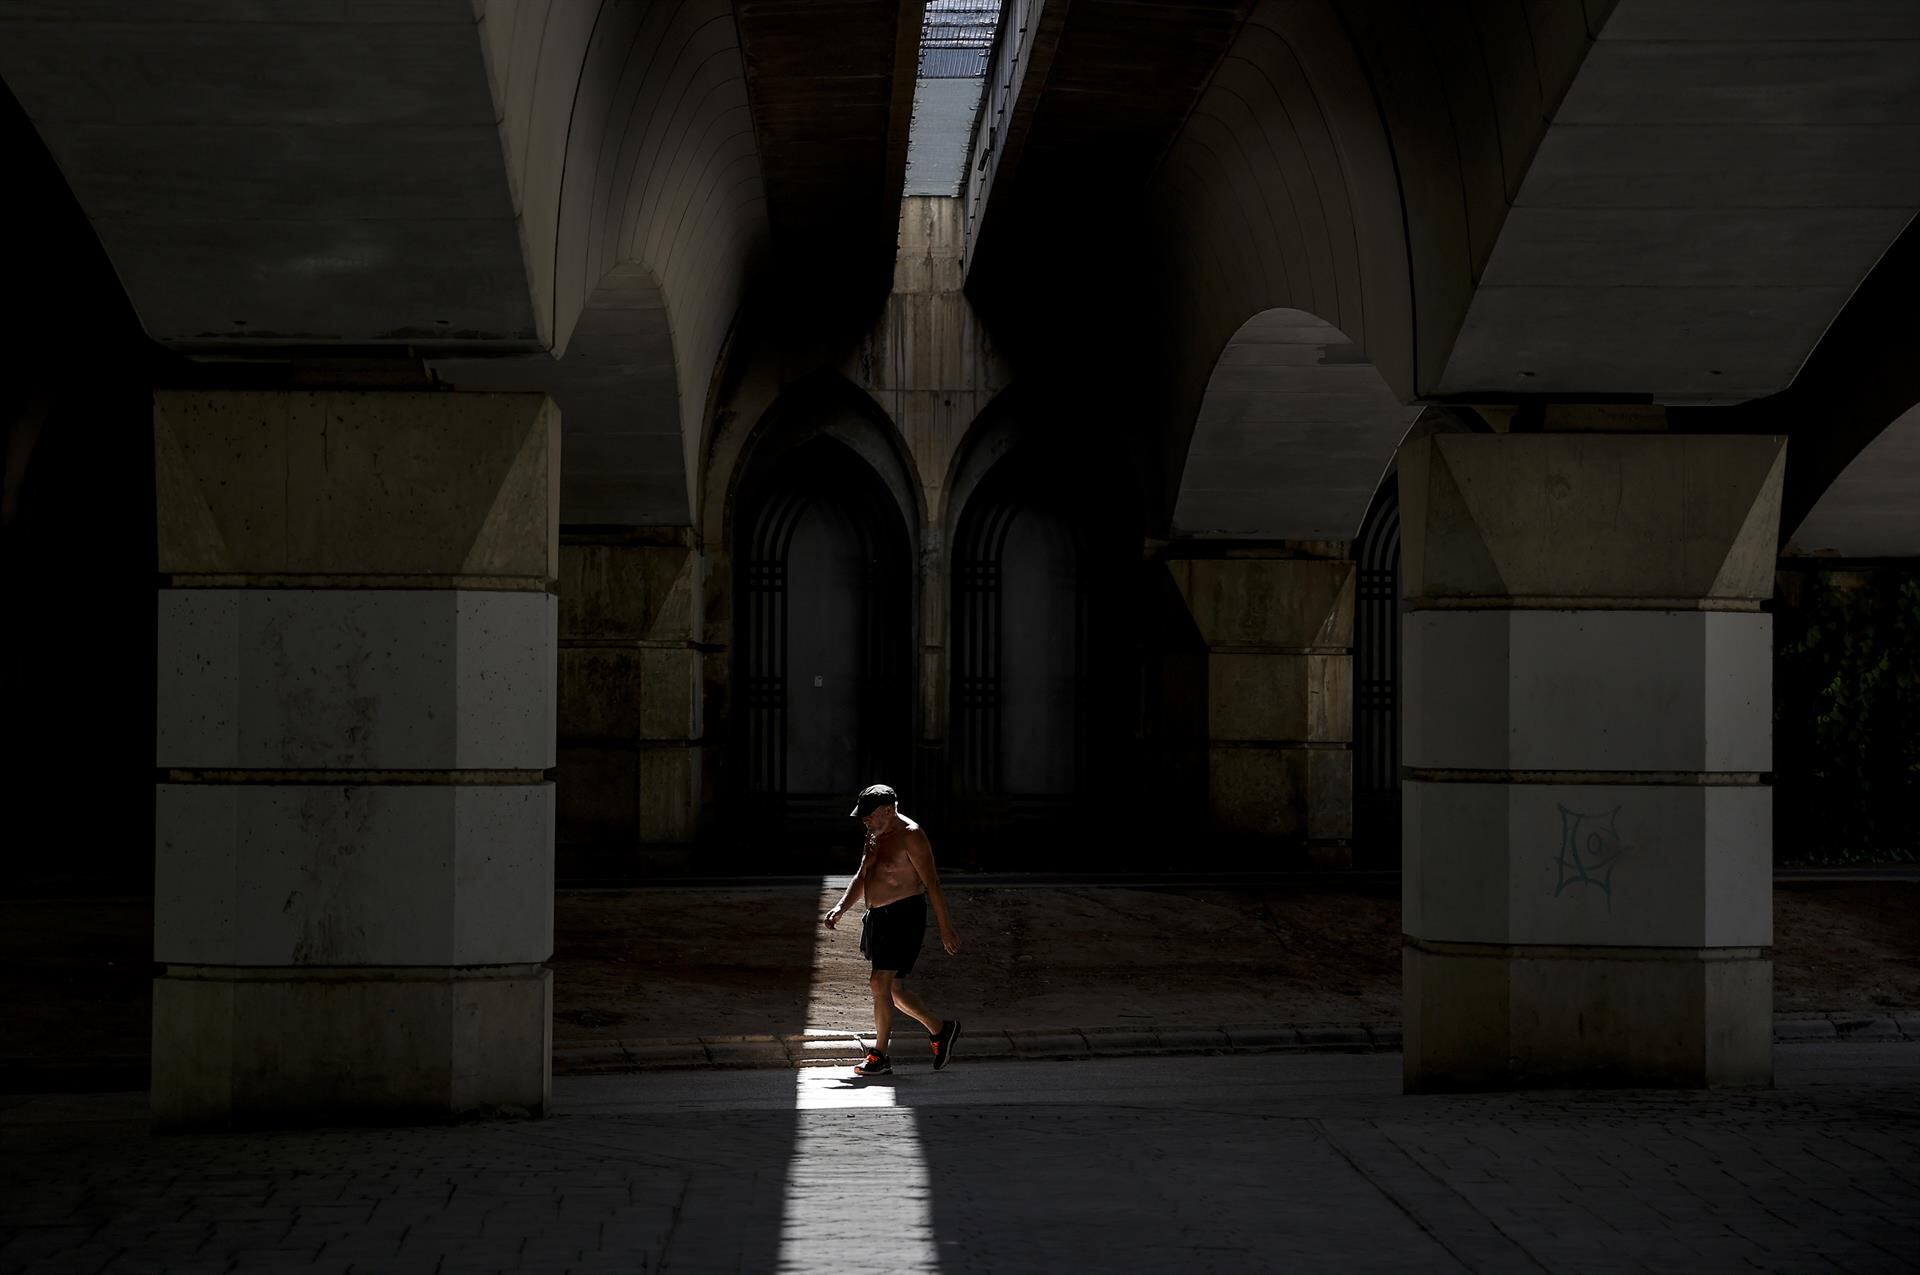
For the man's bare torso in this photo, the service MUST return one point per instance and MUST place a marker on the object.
(891, 875)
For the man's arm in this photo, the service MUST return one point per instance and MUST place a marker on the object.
(920, 854)
(856, 890)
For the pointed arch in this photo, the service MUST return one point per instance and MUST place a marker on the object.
(823, 634)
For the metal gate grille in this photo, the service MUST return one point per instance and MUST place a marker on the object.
(1376, 683)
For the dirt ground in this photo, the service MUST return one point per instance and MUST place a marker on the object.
(1846, 946)
(674, 963)
(667, 962)
(758, 961)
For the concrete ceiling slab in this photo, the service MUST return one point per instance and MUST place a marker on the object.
(1117, 79)
(279, 172)
(831, 83)
(1717, 182)
(1352, 162)
(630, 149)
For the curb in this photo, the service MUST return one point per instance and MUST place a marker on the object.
(1863, 1026)
(832, 1048)
(825, 1048)
(835, 1048)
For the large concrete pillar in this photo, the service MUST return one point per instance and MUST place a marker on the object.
(1588, 827)
(1279, 635)
(354, 862)
(632, 752)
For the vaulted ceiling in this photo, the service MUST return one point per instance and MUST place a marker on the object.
(1644, 199)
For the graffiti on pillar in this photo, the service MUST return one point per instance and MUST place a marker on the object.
(1589, 848)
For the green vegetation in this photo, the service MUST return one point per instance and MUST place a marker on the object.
(1847, 717)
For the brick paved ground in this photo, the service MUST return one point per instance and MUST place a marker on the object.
(1230, 1164)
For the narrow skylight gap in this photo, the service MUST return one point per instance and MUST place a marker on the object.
(956, 43)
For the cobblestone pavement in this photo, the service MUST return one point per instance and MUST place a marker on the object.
(1274, 1163)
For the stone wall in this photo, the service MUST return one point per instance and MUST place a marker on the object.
(632, 755)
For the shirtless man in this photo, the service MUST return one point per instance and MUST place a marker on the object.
(895, 867)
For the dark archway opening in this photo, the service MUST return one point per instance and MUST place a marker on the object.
(1376, 682)
(1046, 689)
(824, 616)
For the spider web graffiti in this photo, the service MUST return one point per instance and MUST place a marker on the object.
(1589, 848)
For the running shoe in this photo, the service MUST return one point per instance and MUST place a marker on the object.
(875, 1065)
(942, 1043)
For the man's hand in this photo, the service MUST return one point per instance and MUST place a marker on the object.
(950, 939)
(832, 916)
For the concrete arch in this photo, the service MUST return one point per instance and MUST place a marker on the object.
(827, 406)
(1872, 510)
(999, 428)
(618, 387)
(464, 179)
(630, 149)
(1356, 167)
(1292, 437)
(1605, 197)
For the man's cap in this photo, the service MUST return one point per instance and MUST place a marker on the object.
(872, 798)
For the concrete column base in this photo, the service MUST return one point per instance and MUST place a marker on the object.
(1489, 1017)
(283, 1046)
(1266, 795)
(1279, 635)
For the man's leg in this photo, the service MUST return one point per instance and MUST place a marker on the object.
(912, 1004)
(882, 984)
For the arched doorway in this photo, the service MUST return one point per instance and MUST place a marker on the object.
(1045, 692)
(825, 623)
(1376, 682)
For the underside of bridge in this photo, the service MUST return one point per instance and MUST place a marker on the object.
(569, 439)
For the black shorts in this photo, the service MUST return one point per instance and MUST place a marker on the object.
(891, 936)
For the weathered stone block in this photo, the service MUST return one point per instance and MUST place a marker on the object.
(418, 679)
(1329, 794)
(1259, 794)
(1281, 795)
(1528, 1017)
(335, 482)
(1279, 696)
(669, 693)
(670, 780)
(256, 1047)
(600, 693)
(1268, 601)
(629, 591)
(1589, 690)
(1590, 515)
(353, 874)
(597, 795)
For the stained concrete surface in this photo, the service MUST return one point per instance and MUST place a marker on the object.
(1230, 1164)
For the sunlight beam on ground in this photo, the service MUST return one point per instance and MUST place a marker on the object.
(858, 1197)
